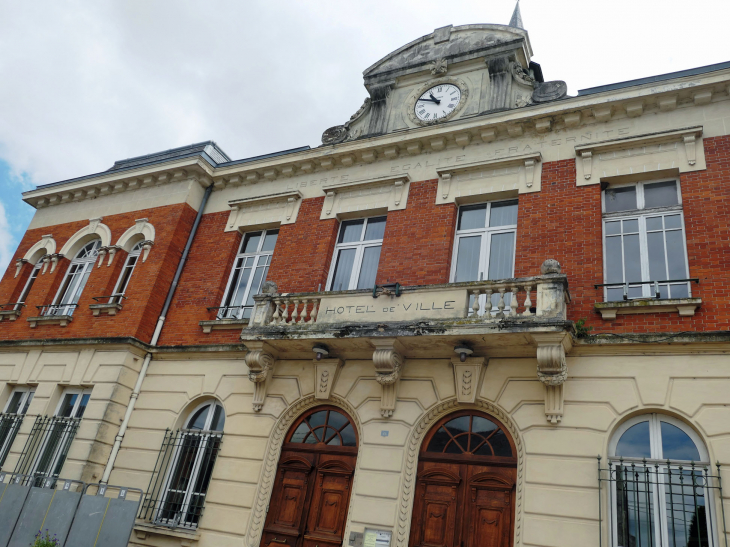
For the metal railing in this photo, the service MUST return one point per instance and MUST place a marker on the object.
(9, 426)
(47, 446)
(662, 503)
(56, 309)
(229, 312)
(176, 494)
(113, 298)
(657, 292)
(11, 306)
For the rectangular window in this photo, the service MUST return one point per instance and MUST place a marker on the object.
(50, 439)
(12, 418)
(357, 254)
(645, 253)
(249, 273)
(29, 284)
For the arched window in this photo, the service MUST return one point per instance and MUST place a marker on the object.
(470, 434)
(184, 468)
(328, 427)
(661, 484)
(29, 284)
(126, 275)
(75, 280)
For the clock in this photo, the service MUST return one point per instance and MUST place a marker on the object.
(437, 102)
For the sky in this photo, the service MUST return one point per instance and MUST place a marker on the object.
(84, 83)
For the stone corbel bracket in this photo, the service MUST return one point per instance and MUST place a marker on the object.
(55, 257)
(146, 248)
(260, 360)
(515, 174)
(388, 360)
(467, 378)
(680, 150)
(552, 370)
(325, 377)
(382, 193)
(248, 213)
(19, 265)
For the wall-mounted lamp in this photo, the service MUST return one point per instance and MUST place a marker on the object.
(463, 351)
(320, 350)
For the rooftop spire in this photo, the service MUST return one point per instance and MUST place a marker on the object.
(516, 20)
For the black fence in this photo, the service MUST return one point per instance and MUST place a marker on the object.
(177, 490)
(655, 503)
(57, 309)
(9, 426)
(46, 448)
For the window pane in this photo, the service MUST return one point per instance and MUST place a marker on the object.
(14, 404)
(240, 287)
(613, 228)
(300, 433)
(634, 443)
(438, 441)
(351, 231)
(369, 268)
(676, 444)
(336, 420)
(348, 436)
(654, 223)
(635, 507)
(69, 400)
(677, 265)
(673, 221)
(620, 199)
(258, 278)
(197, 420)
(343, 270)
(251, 242)
(679, 291)
(660, 194)
(500, 256)
(632, 255)
(467, 259)
(27, 402)
(631, 226)
(684, 496)
(219, 419)
(614, 261)
(657, 265)
(472, 216)
(375, 228)
(82, 406)
(500, 444)
(270, 240)
(503, 214)
(458, 425)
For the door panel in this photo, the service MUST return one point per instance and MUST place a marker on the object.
(288, 499)
(328, 509)
(436, 506)
(488, 507)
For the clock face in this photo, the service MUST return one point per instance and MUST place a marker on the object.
(437, 102)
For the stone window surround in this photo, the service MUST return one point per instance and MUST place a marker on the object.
(391, 194)
(259, 212)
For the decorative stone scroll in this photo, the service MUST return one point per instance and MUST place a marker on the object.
(325, 376)
(382, 193)
(552, 370)
(388, 360)
(281, 208)
(516, 174)
(46, 246)
(467, 376)
(679, 150)
(260, 359)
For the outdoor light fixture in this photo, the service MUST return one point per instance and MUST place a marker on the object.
(463, 351)
(320, 350)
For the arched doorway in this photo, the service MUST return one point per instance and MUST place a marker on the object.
(311, 493)
(465, 488)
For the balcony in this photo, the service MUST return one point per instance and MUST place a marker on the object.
(11, 311)
(53, 314)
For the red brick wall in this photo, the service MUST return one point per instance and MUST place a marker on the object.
(564, 222)
(146, 291)
(202, 284)
(418, 240)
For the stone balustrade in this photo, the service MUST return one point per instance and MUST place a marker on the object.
(523, 299)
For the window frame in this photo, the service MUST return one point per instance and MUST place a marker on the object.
(16, 418)
(241, 256)
(35, 272)
(658, 491)
(65, 287)
(135, 253)
(641, 213)
(486, 234)
(359, 247)
(60, 440)
(194, 474)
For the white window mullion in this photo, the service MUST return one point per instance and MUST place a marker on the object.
(646, 289)
(357, 265)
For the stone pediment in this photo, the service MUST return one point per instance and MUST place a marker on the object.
(454, 44)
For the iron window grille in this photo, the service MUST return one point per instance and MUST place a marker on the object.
(47, 446)
(656, 503)
(179, 484)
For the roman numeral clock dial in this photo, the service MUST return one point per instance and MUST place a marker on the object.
(437, 102)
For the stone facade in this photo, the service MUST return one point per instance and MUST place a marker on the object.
(558, 368)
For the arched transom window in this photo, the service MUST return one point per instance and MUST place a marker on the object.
(661, 485)
(328, 427)
(469, 434)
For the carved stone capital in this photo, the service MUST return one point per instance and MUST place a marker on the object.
(325, 376)
(388, 361)
(260, 360)
(552, 370)
(467, 376)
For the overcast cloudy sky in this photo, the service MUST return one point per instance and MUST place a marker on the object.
(85, 83)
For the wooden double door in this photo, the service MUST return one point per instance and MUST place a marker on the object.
(311, 493)
(465, 486)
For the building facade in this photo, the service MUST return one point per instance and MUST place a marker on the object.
(481, 313)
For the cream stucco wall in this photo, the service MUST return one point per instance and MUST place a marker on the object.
(557, 499)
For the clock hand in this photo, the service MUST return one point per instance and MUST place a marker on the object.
(435, 99)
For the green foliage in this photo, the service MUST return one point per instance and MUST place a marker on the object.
(46, 540)
(581, 330)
